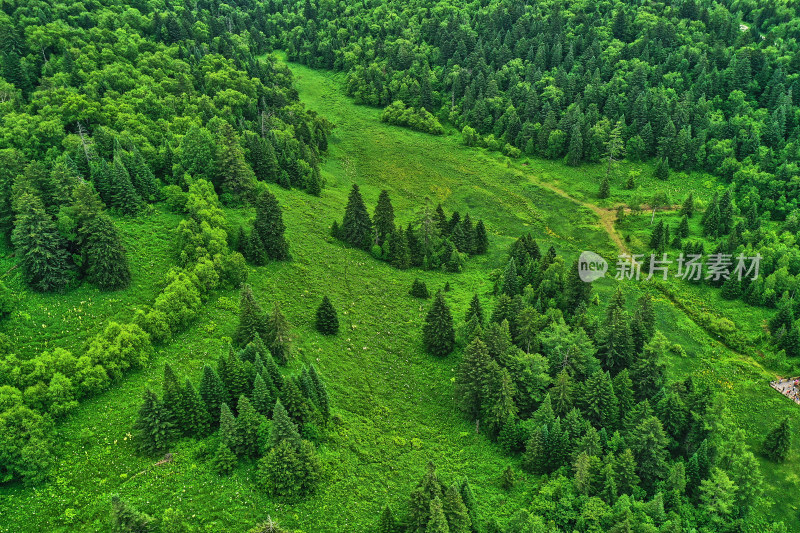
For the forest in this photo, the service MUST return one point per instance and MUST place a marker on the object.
(313, 266)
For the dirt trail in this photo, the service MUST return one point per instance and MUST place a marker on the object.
(606, 216)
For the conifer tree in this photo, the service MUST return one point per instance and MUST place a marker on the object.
(615, 345)
(649, 446)
(419, 289)
(268, 227)
(438, 333)
(508, 479)
(228, 435)
(383, 218)
(623, 390)
(171, 396)
(261, 156)
(213, 393)
(283, 429)
(387, 522)
(625, 472)
(562, 393)
(272, 370)
(778, 442)
(475, 310)
(154, 425)
(731, 288)
(687, 208)
(499, 408)
(456, 513)
(233, 374)
(42, 250)
(481, 239)
(662, 169)
(440, 220)
(605, 189)
(123, 194)
(296, 405)
(224, 460)
(601, 405)
(683, 227)
(536, 458)
(425, 492)
(247, 422)
(277, 338)
(327, 319)
(468, 230)
(126, 519)
(323, 403)
(398, 253)
(251, 318)
(356, 228)
(233, 175)
(263, 399)
(196, 421)
(105, 259)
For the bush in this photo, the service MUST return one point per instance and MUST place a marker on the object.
(417, 119)
(120, 347)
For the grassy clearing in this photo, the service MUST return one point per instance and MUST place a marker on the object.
(394, 403)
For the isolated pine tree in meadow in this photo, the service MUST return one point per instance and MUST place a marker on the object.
(383, 218)
(105, 257)
(778, 442)
(356, 228)
(419, 289)
(252, 321)
(154, 425)
(327, 319)
(269, 227)
(438, 333)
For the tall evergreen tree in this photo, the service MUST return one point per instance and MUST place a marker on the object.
(42, 251)
(278, 340)
(196, 421)
(481, 238)
(213, 393)
(228, 436)
(268, 228)
(687, 208)
(601, 405)
(232, 173)
(778, 442)
(387, 522)
(456, 513)
(126, 519)
(327, 319)
(247, 423)
(123, 194)
(383, 218)
(252, 322)
(105, 260)
(356, 228)
(283, 429)
(649, 446)
(263, 397)
(438, 333)
(154, 425)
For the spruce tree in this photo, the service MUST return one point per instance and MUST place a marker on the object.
(625, 472)
(263, 399)
(154, 425)
(731, 288)
(683, 227)
(438, 333)
(283, 429)
(605, 189)
(196, 421)
(662, 169)
(440, 220)
(171, 397)
(105, 260)
(233, 374)
(456, 513)
(536, 458)
(251, 318)
(649, 446)
(475, 310)
(562, 393)
(224, 460)
(277, 338)
(419, 289)
(428, 489)
(269, 227)
(261, 156)
(213, 393)
(778, 442)
(323, 403)
(387, 522)
(383, 218)
(356, 228)
(601, 405)
(296, 405)
(687, 208)
(511, 279)
(228, 435)
(233, 175)
(481, 239)
(42, 250)
(469, 235)
(327, 319)
(123, 194)
(247, 422)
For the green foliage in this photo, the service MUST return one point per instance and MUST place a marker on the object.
(438, 333)
(225, 461)
(778, 442)
(417, 119)
(155, 426)
(327, 320)
(126, 519)
(419, 289)
(356, 228)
